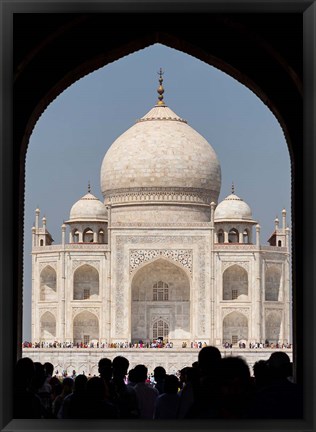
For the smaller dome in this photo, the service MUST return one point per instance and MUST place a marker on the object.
(233, 208)
(89, 208)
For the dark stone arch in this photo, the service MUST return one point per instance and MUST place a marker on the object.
(34, 62)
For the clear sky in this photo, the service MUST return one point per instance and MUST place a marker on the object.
(72, 136)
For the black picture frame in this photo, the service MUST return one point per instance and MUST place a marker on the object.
(10, 243)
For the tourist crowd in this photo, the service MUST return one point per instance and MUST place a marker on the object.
(213, 387)
(156, 343)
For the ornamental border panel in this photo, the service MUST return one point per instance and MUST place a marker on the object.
(77, 263)
(138, 257)
(52, 310)
(243, 264)
(157, 317)
(77, 310)
(228, 310)
(44, 264)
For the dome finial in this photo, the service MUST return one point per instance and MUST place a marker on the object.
(233, 188)
(89, 187)
(160, 89)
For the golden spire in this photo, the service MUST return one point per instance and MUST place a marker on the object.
(160, 89)
(233, 188)
(89, 187)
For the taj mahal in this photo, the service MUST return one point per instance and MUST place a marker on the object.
(159, 256)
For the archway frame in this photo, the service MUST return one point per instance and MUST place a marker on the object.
(13, 156)
(186, 273)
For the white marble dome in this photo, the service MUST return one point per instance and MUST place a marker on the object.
(233, 208)
(89, 208)
(161, 152)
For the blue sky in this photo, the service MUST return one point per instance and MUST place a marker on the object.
(72, 136)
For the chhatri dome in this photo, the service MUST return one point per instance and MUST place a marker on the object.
(233, 208)
(161, 163)
(89, 208)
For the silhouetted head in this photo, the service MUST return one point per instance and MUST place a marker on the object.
(159, 373)
(68, 384)
(209, 359)
(80, 385)
(105, 368)
(48, 368)
(279, 365)
(140, 372)
(120, 366)
(171, 384)
(131, 376)
(24, 372)
(260, 371)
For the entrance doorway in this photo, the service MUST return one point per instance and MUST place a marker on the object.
(161, 330)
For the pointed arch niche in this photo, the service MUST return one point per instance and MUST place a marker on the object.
(160, 294)
(273, 283)
(235, 283)
(48, 284)
(48, 327)
(235, 327)
(86, 283)
(85, 328)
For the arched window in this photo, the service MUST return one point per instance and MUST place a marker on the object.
(235, 283)
(220, 236)
(160, 291)
(273, 283)
(85, 328)
(279, 243)
(75, 236)
(235, 328)
(160, 329)
(233, 236)
(88, 235)
(86, 283)
(48, 284)
(48, 326)
(41, 242)
(246, 236)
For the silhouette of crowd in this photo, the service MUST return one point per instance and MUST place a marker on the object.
(213, 387)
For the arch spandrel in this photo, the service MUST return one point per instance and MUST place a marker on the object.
(180, 257)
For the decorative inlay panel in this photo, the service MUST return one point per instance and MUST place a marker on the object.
(52, 310)
(77, 310)
(185, 195)
(44, 264)
(156, 317)
(140, 256)
(78, 263)
(243, 264)
(228, 310)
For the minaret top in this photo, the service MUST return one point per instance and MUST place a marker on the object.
(160, 89)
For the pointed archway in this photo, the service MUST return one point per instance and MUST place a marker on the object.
(160, 304)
